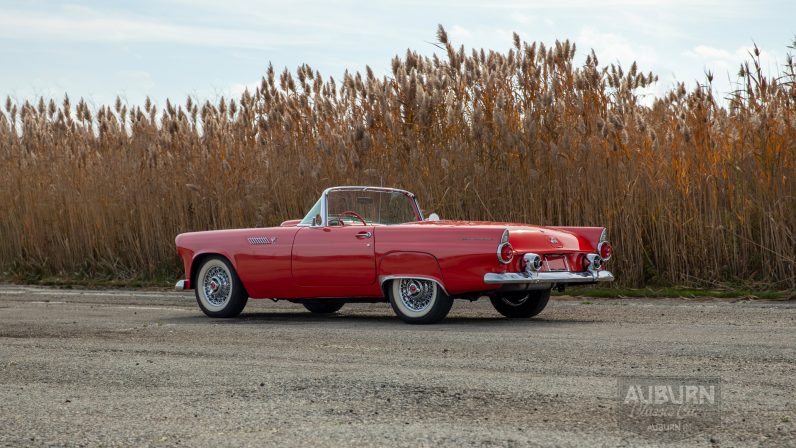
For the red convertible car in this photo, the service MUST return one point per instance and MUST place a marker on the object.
(373, 244)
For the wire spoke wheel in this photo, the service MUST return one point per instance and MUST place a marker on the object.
(217, 285)
(419, 301)
(416, 295)
(219, 291)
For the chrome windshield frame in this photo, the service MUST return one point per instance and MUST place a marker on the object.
(325, 199)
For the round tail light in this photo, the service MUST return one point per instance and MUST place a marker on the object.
(505, 253)
(605, 250)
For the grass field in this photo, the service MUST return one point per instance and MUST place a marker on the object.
(696, 190)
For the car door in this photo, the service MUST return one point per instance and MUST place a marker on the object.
(334, 256)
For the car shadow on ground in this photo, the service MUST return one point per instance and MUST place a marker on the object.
(301, 318)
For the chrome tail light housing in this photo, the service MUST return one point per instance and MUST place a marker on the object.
(505, 253)
(604, 248)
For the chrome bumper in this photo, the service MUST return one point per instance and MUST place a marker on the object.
(547, 277)
(181, 285)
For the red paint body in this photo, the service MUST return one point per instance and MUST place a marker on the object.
(334, 262)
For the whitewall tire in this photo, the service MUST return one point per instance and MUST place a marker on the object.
(419, 301)
(219, 291)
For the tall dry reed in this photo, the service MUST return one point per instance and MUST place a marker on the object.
(694, 190)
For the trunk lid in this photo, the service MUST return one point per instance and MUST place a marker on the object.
(529, 238)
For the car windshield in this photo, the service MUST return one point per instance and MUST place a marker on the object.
(374, 207)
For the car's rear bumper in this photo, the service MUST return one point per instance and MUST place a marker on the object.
(494, 278)
(182, 284)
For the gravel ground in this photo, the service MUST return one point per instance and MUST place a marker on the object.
(147, 368)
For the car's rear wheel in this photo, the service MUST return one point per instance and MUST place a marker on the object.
(520, 304)
(322, 306)
(219, 291)
(419, 301)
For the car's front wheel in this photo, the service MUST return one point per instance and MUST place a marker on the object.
(219, 291)
(419, 301)
(520, 304)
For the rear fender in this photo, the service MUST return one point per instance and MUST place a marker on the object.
(409, 265)
(590, 234)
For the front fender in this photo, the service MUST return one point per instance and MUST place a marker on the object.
(190, 258)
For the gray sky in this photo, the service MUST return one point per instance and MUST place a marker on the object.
(175, 48)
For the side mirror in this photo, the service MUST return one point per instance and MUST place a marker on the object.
(433, 217)
(317, 221)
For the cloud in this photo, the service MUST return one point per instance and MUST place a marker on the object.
(612, 48)
(459, 32)
(706, 52)
(85, 25)
(635, 4)
(721, 60)
(520, 18)
(135, 79)
(237, 89)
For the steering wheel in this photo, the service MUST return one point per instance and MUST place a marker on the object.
(354, 214)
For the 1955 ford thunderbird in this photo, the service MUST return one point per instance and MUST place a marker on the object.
(373, 244)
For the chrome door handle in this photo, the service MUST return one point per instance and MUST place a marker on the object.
(361, 235)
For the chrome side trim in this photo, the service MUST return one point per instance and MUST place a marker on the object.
(384, 278)
(257, 240)
(180, 285)
(493, 278)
